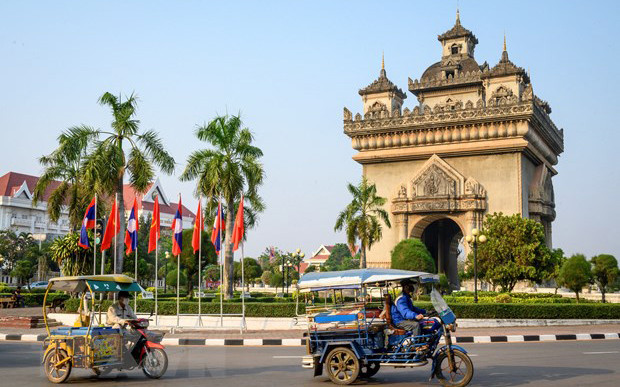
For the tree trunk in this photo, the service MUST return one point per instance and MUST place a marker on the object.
(120, 238)
(363, 258)
(603, 293)
(228, 252)
(577, 294)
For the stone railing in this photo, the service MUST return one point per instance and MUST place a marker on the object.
(458, 79)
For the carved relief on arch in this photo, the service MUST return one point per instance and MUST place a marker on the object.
(502, 96)
(437, 178)
(472, 187)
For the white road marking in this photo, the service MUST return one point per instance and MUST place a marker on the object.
(287, 357)
(600, 353)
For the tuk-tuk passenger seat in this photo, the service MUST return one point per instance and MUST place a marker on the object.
(387, 311)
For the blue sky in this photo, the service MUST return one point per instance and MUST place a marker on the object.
(289, 68)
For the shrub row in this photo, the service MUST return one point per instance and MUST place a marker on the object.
(466, 293)
(513, 300)
(462, 310)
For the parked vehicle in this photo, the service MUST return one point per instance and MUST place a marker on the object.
(38, 285)
(354, 339)
(92, 345)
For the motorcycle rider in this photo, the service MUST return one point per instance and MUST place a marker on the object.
(120, 311)
(404, 314)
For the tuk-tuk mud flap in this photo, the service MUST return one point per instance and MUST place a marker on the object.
(439, 351)
(354, 346)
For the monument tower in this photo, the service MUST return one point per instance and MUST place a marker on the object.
(478, 141)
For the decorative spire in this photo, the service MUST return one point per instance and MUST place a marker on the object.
(382, 60)
(504, 41)
(504, 58)
(458, 15)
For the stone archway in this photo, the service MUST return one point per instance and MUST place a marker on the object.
(442, 235)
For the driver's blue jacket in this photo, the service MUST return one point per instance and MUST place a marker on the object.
(404, 310)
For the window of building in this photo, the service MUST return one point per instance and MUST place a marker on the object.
(454, 49)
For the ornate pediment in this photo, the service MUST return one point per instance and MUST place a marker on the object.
(438, 187)
(437, 178)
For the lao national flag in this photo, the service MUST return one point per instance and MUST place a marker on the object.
(88, 222)
(131, 236)
(218, 226)
(177, 231)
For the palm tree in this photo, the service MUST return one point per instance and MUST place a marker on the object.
(122, 150)
(228, 170)
(361, 217)
(64, 164)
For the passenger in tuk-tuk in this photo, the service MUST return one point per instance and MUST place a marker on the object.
(404, 314)
(120, 311)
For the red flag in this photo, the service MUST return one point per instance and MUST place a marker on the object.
(198, 227)
(154, 232)
(112, 228)
(238, 229)
(218, 227)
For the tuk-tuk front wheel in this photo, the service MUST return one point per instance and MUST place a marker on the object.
(462, 373)
(343, 367)
(155, 363)
(57, 365)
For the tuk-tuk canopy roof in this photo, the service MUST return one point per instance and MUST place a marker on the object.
(98, 283)
(348, 279)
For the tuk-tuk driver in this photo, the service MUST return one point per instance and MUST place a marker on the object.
(404, 314)
(120, 311)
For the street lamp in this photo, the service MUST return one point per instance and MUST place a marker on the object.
(166, 270)
(474, 239)
(297, 257)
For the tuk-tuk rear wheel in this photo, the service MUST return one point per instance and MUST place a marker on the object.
(370, 369)
(57, 374)
(343, 366)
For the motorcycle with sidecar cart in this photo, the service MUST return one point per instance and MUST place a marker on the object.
(92, 345)
(353, 338)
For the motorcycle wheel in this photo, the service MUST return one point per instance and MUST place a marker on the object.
(155, 363)
(343, 367)
(463, 373)
(57, 374)
(370, 369)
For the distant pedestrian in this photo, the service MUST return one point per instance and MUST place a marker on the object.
(18, 299)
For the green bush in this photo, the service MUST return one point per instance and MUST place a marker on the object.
(412, 254)
(503, 298)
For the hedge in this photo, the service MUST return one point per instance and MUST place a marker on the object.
(36, 299)
(462, 310)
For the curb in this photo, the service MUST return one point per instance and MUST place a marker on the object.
(302, 342)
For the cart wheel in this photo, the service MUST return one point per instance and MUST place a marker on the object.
(155, 363)
(370, 369)
(57, 374)
(343, 367)
(462, 374)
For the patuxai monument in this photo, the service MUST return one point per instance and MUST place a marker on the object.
(477, 141)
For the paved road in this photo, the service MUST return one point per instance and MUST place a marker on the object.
(521, 364)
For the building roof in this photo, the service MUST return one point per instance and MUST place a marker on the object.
(164, 207)
(467, 64)
(457, 31)
(11, 182)
(319, 258)
(505, 67)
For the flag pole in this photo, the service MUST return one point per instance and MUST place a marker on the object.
(178, 265)
(115, 234)
(243, 325)
(199, 216)
(156, 279)
(219, 220)
(95, 240)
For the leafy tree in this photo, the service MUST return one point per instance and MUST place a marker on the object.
(211, 273)
(575, 274)
(412, 254)
(15, 248)
(23, 271)
(336, 257)
(189, 259)
(252, 270)
(515, 251)
(361, 219)
(559, 258)
(171, 279)
(228, 170)
(277, 280)
(123, 151)
(604, 272)
(266, 277)
(310, 269)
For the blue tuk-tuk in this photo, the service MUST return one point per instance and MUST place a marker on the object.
(353, 335)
